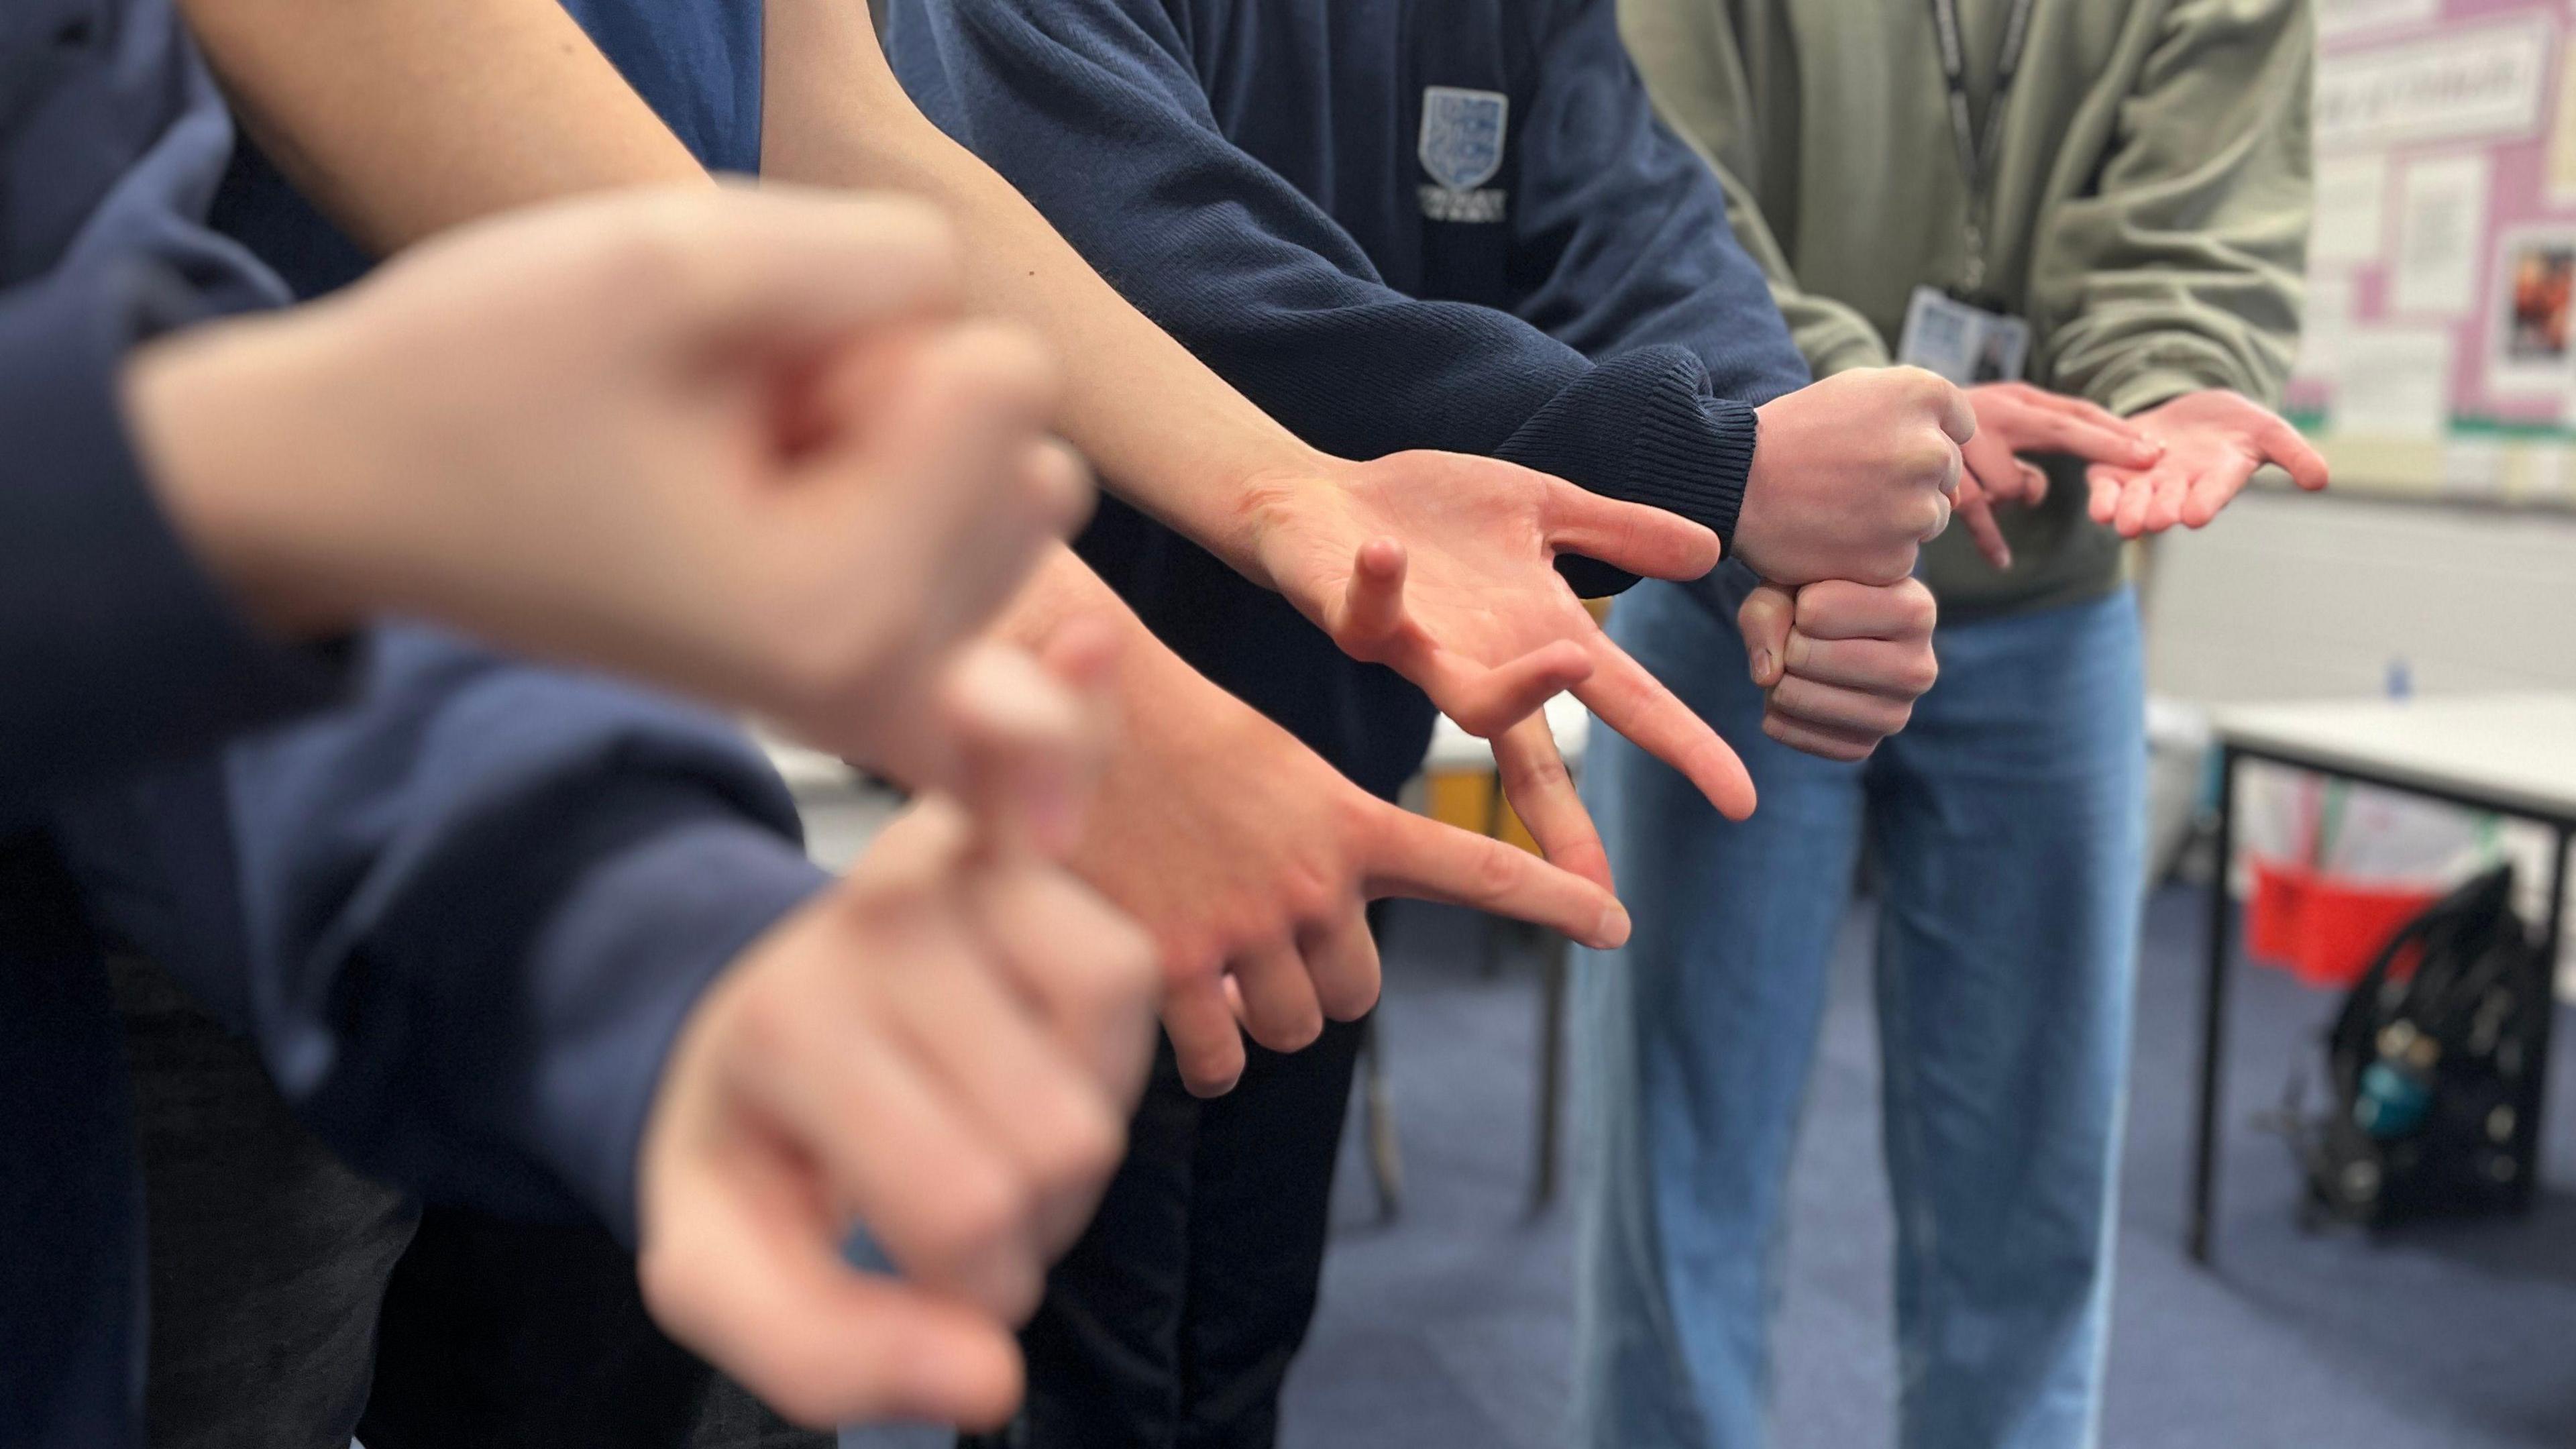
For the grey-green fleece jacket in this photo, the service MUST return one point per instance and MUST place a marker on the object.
(2148, 213)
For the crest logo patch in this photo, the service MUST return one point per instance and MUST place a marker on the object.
(1462, 135)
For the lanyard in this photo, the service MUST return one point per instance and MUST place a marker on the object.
(1977, 153)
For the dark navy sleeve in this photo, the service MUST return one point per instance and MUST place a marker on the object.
(1619, 232)
(478, 904)
(1091, 109)
(116, 646)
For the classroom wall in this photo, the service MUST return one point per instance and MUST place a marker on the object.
(2290, 597)
(2293, 597)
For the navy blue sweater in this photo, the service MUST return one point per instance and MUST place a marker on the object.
(116, 649)
(1539, 271)
(472, 906)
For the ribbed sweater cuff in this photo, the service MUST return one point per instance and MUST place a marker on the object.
(1693, 460)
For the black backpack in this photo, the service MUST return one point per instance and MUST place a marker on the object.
(2431, 1075)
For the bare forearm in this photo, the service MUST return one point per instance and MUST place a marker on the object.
(1166, 433)
(403, 119)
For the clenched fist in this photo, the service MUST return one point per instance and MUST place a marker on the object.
(739, 443)
(1851, 475)
(1841, 663)
(943, 1049)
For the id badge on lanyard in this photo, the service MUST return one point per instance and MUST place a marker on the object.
(1963, 342)
(1954, 333)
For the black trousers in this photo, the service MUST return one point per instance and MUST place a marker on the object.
(1172, 1322)
(294, 1300)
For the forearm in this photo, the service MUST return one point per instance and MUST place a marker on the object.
(400, 120)
(126, 632)
(476, 903)
(1166, 433)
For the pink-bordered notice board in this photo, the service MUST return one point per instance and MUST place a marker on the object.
(2440, 344)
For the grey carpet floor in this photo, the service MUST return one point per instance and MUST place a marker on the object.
(1451, 1325)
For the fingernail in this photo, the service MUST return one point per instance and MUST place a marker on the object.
(1613, 931)
(1762, 663)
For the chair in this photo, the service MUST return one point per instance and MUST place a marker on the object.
(1458, 786)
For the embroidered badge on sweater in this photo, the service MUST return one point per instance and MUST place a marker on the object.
(1462, 148)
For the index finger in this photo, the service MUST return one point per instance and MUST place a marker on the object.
(1977, 514)
(1628, 699)
(739, 1266)
(1420, 858)
(2093, 435)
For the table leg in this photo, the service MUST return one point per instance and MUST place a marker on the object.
(2535, 1092)
(2213, 1015)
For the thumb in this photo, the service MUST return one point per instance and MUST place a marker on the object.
(738, 1266)
(1646, 541)
(1026, 745)
(2282, 444)
(1764, 622)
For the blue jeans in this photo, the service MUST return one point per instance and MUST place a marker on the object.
(2007, 825)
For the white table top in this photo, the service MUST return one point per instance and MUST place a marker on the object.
(2517, 751)
(1453, 749)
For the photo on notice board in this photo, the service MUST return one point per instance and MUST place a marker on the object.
(2529, 331)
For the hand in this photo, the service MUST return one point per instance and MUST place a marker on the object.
(1841, 664)
(1442, 567)
(722, 439)
(2214, 440)
(2014, 418)
(1250, 859)
(944, 1048)
(1851, 475)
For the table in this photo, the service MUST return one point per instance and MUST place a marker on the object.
(2514, 755)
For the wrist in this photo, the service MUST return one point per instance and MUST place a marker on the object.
(206, 410)
(1269, 508)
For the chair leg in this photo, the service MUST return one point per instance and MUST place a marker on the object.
(1551, 1073)
(1377, 1110)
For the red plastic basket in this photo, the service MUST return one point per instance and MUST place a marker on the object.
(2324, 929)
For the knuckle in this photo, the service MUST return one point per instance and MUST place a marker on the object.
(1496, 873)
(1085, 1147)
(1925, 389)
(1300, 1031)
(675, 1282)
(1917, 610)
(1302, 893)
(1349, 999)
(1927, 461)
(986, 1209)
(771, 1026)
(1129, 966)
